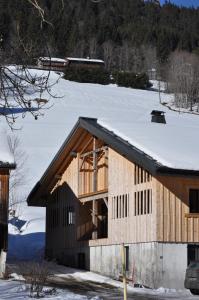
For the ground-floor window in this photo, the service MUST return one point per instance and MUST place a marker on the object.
(194, 200)
(192, 253)
(126, 257)
(81, 260)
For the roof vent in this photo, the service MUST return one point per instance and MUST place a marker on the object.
(158, 116)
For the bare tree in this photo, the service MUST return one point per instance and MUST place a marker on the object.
(19, 176)
(183, 79)
(19, 86)
(108, 49)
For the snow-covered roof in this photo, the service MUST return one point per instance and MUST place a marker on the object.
(6, 157)
(125, 111)
(85, 60)
(53, 59)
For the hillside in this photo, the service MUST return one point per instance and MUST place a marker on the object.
(130, 35)
(126, 112)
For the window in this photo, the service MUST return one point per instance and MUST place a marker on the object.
(120, 206)
(141, 175)
(143, 202)
(194, 201)
(192, 253)
(68, 216)
(126, 258)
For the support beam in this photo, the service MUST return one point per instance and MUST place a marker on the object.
(106, 202)
(87, 144)
(103, 148)
(94, 165)
(95, 219)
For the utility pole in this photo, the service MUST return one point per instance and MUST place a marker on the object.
(124, 271)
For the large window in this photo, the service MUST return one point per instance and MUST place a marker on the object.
(194, 200)
(141, 175)
(143, 202)
(120, 206)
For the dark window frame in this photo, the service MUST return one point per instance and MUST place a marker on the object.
(194, 201)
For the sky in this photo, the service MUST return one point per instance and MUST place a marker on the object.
(184, 2)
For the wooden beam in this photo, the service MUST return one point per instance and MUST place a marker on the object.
(103, 148)
(94, 165)
(82, 162)
(93, 196)
(106, 202)
(87, 144)
(95, 220)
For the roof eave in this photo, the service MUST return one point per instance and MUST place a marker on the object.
(5, 165)
(118, 144)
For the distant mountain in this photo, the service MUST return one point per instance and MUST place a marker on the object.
(187, 3)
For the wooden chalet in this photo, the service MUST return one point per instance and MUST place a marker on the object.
(6, 165)
(85, 62)
(100, 191)
(60, 64)
(52, 63)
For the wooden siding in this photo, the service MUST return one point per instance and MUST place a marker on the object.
(174, 222)
(4, 198)
(63, 195)
(4, 195)
(88, 171)
(139, 228)
(141, 208)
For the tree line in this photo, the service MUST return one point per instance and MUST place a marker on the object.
(129, 35)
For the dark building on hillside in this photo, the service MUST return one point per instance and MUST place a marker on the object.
(60, 64)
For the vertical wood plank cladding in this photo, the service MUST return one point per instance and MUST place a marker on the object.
(134, 228)
(173, 194)
(4, 196)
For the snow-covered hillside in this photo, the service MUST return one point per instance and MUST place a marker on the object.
(125, 111)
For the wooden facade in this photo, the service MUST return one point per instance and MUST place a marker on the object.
(97, 196)
(4, 196)
(4, 204)
(57, 64)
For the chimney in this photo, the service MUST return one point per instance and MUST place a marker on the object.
(157, 116)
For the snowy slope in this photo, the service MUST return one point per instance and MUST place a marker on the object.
(125, 111)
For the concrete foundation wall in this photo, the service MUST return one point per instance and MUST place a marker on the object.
(151, 264)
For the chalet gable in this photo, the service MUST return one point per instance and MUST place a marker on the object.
(90, 126)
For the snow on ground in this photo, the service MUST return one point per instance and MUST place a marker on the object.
(126, 111)
(100, 288)
(19, 291)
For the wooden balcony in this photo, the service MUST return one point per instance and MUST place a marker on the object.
(93, 169)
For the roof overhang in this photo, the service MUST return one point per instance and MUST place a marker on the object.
(9, 166)
(37, 196)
